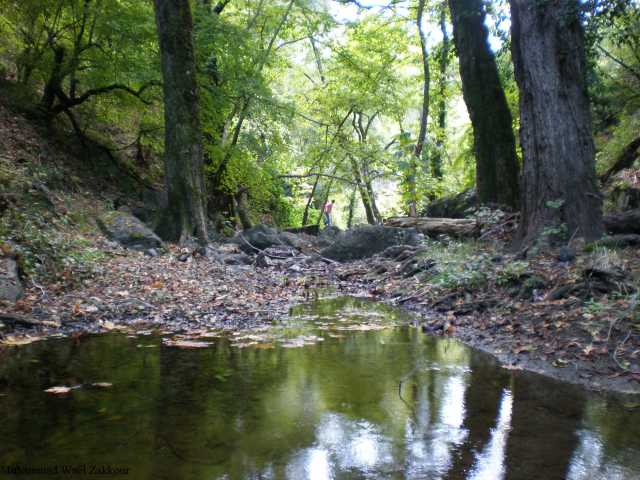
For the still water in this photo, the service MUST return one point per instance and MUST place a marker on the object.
(375, 403)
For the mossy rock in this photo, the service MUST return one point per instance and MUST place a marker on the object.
(128, 231)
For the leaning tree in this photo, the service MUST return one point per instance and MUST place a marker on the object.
(560, 197)
(494, 143)
(185, 212)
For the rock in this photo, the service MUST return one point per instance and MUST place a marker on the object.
(328, 235)
(624, 222)
(129, 231)
(413, 266)
(293, 240)
(394, 251)
(258, 237)
(566, 254)
(237, 259)
(183, 257)
(262, 237)
(313, 230)
(456, 206)
(152, 252)
(367, 240)
(10, 284)
(262, 261)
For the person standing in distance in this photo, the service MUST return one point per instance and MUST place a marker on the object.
(326, 211)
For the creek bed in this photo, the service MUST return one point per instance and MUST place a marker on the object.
(343, 389)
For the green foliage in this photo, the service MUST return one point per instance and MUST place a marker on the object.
(460, 265)
(511, 272)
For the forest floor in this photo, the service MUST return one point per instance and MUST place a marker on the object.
(487, 301)
(572, 318)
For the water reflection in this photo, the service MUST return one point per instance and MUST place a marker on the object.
(378, 404)
(490, 462)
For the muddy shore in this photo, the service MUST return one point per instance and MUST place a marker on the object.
(132, 292)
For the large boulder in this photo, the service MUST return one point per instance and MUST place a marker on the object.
(10, 285)
(257, 238)
(129, 231)
(454, 206)
(261, 237)
(328, 235)
(367, 240)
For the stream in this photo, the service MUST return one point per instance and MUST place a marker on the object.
(343, 389)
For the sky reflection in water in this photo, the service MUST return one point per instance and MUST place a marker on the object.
(388, 403)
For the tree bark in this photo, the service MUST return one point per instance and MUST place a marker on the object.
(305, 214)
(185, 211)
(424, 115)
(352, 207)
(242, 208)
(362, 189)
(494, 143)
(443, 64)
(559, 189)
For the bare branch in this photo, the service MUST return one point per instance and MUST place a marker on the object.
(72, 102)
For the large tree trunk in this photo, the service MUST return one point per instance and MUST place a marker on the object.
(424, 115)
(494, 143)
(443, 64)
(362, 189)
(559, 189)
(185, 211)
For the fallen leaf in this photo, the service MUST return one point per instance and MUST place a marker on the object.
(60, 390)
(184, 343)
(17, 341)
(560, 363)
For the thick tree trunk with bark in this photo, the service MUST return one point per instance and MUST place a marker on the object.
(185, 212)
(362, 189)
(242, 208)
(559, 189)
(494, 143)
(424, 115)
(443, 64)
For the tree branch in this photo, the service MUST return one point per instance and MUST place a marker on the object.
(67, 102)
(629, 69)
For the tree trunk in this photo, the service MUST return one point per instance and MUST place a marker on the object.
(372, 200)
(242, 209)
(54, 83)
(185, 211)
(352, 207)
(424, 115)
(364, 194)
(494, 143)
(443, 63)
(559, 189)
(305, 214)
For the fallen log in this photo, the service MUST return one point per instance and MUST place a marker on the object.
(455, 227)
(14, 319)
(624, 222)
